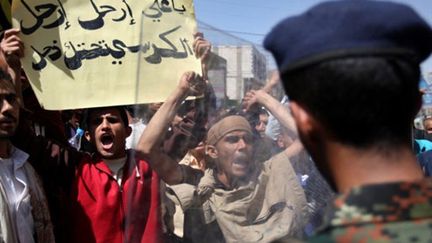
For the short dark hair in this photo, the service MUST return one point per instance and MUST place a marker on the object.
(89, 111)
(6, 80)
(360, 101)
(262, 111)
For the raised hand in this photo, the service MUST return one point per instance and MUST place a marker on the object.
(12, 48)
(192, 84)
(253, 97)
(202, 50)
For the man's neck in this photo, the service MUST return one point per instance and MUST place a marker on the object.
(224, 179)
(351, 167)
(5, 148)
(231, 182)
(120, 155)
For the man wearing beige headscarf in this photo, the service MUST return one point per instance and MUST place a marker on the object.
(237, 199)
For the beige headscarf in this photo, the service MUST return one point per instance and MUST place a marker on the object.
(227, 125)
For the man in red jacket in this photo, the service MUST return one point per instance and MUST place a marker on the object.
(112, 196)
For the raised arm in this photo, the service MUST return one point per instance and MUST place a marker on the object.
(272, 82)
(278, 110)
(272, 105)
(202, 49)
(12, 48)
(149, 145)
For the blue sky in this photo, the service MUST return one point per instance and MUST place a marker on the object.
(257, 17)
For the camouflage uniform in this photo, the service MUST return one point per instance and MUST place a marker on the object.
(396, 212)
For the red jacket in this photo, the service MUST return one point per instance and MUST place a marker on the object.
(103, 211)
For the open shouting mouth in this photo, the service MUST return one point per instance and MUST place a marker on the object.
(107, 141)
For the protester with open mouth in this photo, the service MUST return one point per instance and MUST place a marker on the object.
(236, 199)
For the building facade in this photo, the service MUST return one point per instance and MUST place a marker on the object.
(246, 68)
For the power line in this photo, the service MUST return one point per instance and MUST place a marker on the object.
(231, 33)
(224, 14)
(237, 32)
(247, 4)
(204, 25)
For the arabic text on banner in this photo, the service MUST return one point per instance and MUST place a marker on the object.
(86, 53)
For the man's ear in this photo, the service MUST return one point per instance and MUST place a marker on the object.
(211, 151)
(302, 118)
(87, 136)
(128, 131)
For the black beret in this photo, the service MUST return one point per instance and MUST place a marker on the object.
(349, 28)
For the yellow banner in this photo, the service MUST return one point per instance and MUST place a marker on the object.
(88, 53)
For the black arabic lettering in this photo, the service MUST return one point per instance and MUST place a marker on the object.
(165, 6)
(100, 49)
(183, 9)
(73, 62)
(39, 19)
(166, 3)
(173, 51)
(125, 13)
(156, 11)
(163, 36)
(96, 51)
(156, 57)
(158, 53)
(119, 47)
(53, 52)
(41, 64)
(45, 10)
(129, 10)
(98, 22)
(134, 49)
(185, 43)
(57, 22)
(117, 51)
(184, 54)
(145, 47)
(63, 11)
(122, 17)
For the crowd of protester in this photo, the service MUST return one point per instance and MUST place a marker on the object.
(330, 161)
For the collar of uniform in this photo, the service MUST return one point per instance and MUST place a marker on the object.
(381, 203)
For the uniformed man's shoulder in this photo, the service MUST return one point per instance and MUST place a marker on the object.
(406, 231)
(387, 212)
